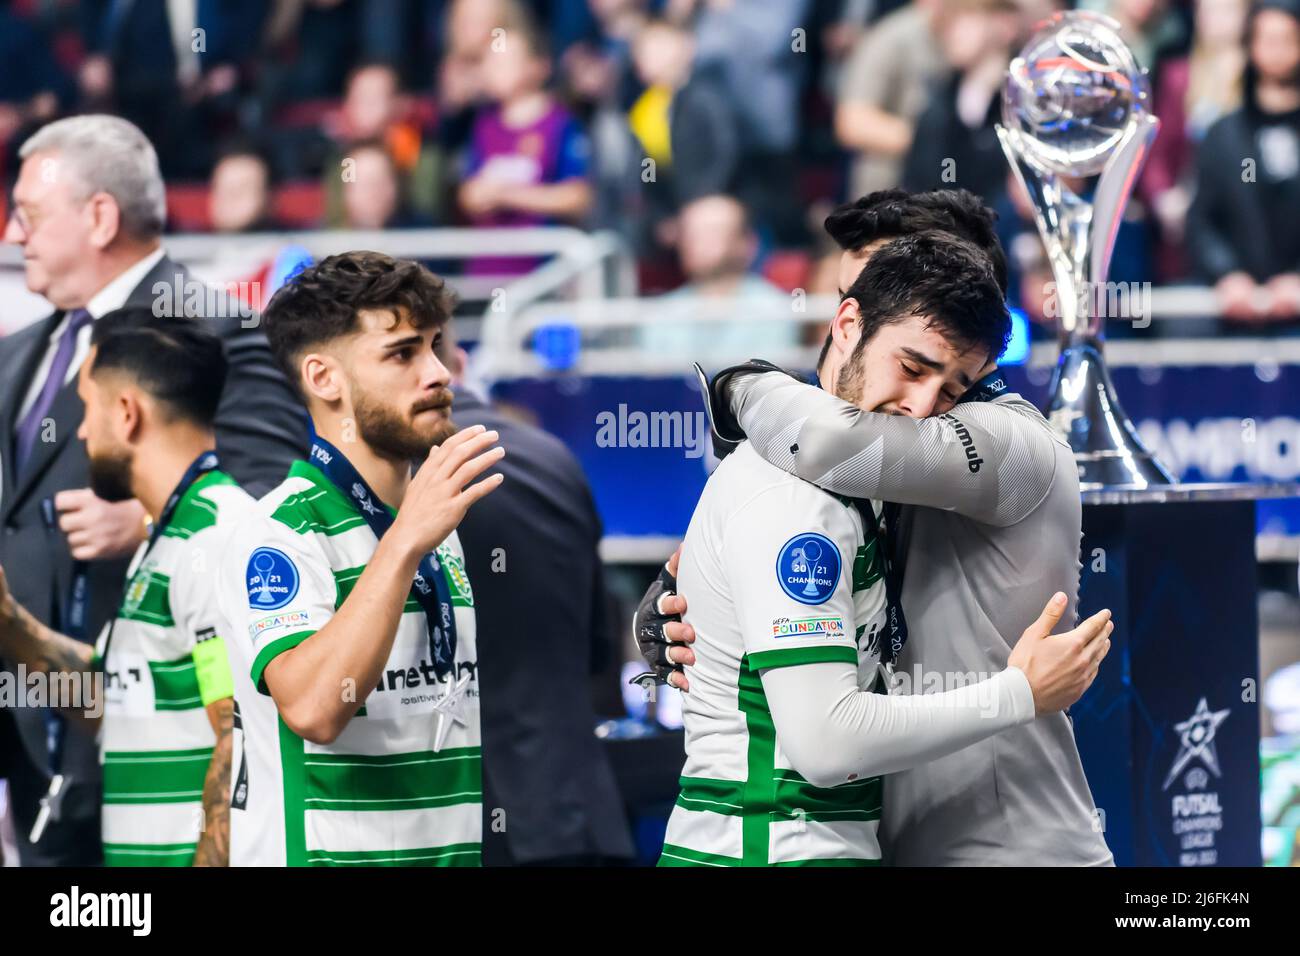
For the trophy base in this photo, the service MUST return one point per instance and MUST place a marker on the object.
(1084, 407)
(1120, 470)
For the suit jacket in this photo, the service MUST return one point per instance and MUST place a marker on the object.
(531, 556)
(261, 427)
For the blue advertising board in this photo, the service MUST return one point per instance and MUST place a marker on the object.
(643, 441)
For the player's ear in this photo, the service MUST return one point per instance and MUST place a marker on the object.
(322, 376)
(846, 327)
(129, 413)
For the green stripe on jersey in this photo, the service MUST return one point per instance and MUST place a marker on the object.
(453, 854)
(770, 794)
(147, 598)
(149, 854)
(759, 788)
(793, 798)
(794, 656)
(346, 580)
(195, 512)
(409, 781)
(868, 566)
(322, 509)
(674, 855)
(175, 684)
(155, 776)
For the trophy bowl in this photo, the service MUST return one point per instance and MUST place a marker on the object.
(1072, 94)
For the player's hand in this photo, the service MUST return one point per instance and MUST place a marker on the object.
(438, 498)
(1060, 667)
(661, 636)
(97, 529)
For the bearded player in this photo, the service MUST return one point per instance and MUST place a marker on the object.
(354, 658)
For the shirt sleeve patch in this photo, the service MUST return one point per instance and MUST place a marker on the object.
(808, 568)
(272, 623)
(272, 579)
(824, 626)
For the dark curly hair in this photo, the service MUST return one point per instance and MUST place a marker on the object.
(321, 302)
(934, 274)
(890, 213)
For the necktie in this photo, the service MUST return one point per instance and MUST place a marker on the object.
(30, 425)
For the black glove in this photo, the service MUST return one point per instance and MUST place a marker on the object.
(648, 629)
(727, 433)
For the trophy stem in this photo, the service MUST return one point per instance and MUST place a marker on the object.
(1106, 446)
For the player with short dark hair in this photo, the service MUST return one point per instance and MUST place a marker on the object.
(354, 658)
(151, 387)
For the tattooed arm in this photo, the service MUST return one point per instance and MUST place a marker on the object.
(214, 844)
(25, 640)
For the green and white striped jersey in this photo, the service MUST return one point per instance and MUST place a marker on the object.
(164, 663)
(388, 791)
(776, 573)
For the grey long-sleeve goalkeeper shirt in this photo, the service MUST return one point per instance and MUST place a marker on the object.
(992, 531)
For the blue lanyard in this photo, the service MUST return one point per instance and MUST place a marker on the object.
(986, 389)
(205, 463)
(430, 588)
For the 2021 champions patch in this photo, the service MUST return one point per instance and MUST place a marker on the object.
(272, 579)
(808, 568)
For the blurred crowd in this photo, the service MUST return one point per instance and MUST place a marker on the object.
(743, 121)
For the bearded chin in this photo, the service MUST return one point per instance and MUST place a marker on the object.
(392, 436)
(110, 477)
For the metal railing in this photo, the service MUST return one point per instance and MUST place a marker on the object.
(614, 336)
(581, 264)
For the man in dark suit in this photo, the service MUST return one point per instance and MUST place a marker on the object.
(88, 212)
(172, 69)
(549, 793)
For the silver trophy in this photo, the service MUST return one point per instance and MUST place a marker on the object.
(1075, 106)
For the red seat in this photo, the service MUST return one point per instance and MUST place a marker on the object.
(305, 113)
(299, 205)
(187, 207)
(788, 268)
(296, 205)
